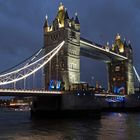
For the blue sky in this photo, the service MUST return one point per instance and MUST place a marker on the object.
(21, 28)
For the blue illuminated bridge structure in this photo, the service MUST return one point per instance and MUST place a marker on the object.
(10, 79)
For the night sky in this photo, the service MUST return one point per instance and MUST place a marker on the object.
(21, 28)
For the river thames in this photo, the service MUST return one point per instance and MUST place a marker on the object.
(16, 125)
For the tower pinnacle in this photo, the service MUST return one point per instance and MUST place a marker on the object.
(76, 18)
(46, 17)
(118, 36)
(76, 14)
(107, 43)
(46, 24)
(61, 6)
(66, 14)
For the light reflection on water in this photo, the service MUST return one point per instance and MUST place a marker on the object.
(111, 126)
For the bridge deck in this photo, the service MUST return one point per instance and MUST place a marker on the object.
(12, 92)
(15, 92)
(88, 49)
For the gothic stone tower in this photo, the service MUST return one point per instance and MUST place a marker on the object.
(121, 77)
(65, 66)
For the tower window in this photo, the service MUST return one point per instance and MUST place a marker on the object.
(73, 34)
(117, 68)
(72, 66)
(54, 37)
(114, 79)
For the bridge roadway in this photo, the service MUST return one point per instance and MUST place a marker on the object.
(25, 93)
(15, 92)
(95, 51)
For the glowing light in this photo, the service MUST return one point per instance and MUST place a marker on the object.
(61, 25)
(99, 48)
(118, 90)
(69, 24)
(46, 17)
(61, 15)
(55, 85)
(26, 66)
(49, 29)
(121, 48)
(6, 78)
(76, 14)
(115, 99)
(137, 75)
(118, 36)
(29, 91)
(61, 7)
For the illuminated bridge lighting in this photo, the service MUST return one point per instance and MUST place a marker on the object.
(112, 98)
(103, 50)
(109, 95)
(29, 69)
(136, 73)
(115, 99)
(28, 91)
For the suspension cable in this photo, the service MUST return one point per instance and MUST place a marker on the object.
(137, 75)
(10, 77)
(32, 57)
(26, 66)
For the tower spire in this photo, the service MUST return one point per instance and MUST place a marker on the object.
(61, 15)
(129, 44)
(66, 14)
(61, 6)
(46, 24)
(76, 18)
(46, 17)
(125, 43)
(118, 36)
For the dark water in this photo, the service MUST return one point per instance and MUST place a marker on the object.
(111, 126)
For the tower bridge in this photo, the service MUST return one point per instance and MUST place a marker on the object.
(118, 57)
(63, 46)
(59, 63)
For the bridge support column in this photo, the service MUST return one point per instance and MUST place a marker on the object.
(121, 80)
(65, 66)
(121, 74)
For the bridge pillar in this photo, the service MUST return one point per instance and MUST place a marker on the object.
(65, 66)
(121, 75)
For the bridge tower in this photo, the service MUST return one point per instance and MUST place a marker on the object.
(121, 76)
(65, 66)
